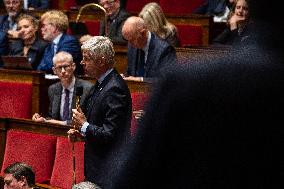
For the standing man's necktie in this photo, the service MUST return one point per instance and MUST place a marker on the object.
(141, 65)
(66, 105)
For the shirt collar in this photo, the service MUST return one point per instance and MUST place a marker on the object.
(101, 79)
(57, 39)
(71, 86)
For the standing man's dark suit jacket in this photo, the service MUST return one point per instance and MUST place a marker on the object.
(66, 43)
(115, 27)
(108, 111)
(35, 53)
(38, 4)
(160, 54)
(55, 92)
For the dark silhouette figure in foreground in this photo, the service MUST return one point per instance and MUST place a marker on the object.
(213, 125)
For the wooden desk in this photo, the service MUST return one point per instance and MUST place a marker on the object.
(27, 125)
(39, 85)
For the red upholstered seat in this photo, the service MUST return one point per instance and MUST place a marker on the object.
(189, 35)
(93, 27)
(180, 7)
(62, 174)
(15, 99)
(69, 3)
(136, 6)
(139, 100)
(37, 150)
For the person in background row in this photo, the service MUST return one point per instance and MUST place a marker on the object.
(36, 4)
(115, 19)
(29, 44)
(4, 47)
(8, 23)
(239, 25)
(54, 27)
(19, 176)
(62, 95)
(84, 38)
(217, 8)
(157, 23)
(147, 54)
(104, 120)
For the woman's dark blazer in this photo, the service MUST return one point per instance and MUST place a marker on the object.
(35, 53)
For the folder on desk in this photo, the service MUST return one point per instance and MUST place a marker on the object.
(16, 62)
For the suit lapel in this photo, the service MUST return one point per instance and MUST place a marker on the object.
(93, 99)
(57, 101)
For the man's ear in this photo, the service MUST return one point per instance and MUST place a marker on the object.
(53, 69)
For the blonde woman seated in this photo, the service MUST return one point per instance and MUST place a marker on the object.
(29, 44)
(157, 23)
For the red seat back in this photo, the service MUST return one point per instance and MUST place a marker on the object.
(190, 35)
(136, 6)
(36, 150)
(180, 7)
(62, 174)
(93, 27)
(15, 99)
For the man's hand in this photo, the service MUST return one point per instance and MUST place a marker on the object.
(78, 119)
(13, 34)
(38, 118)
(74, 135)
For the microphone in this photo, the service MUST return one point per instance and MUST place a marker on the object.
(79, 93)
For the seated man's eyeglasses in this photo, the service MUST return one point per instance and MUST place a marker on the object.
(65, 67)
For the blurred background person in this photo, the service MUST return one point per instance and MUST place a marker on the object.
(115, 19)
(62, 95)
(54, 27)
(218, 8)
(8, 22)
(157, 23)
(36, 4)
(19, 176)
(147, 54)
(84, 38)
(29, 44)
(239, 26)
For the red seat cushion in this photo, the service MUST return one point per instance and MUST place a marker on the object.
(62, 174)
(36, 150)
(136, 6)
(139, 100)
(189, 35)
(180, 7)
(15, 99)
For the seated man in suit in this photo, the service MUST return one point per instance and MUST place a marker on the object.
(116, 17)
(19, 176)
(54, 26)
(8, 23)
(36, 4)
(104, 120)
(147, 54)
(62, 95)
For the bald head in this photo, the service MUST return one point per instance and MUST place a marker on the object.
(134, 30)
